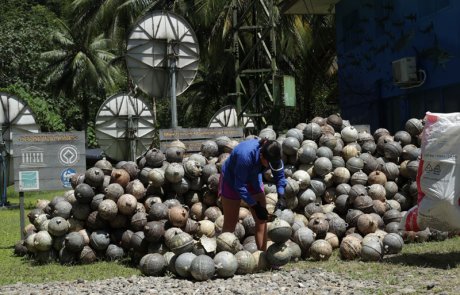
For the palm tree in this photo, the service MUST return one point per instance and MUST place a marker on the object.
(209, 92)
(309, 40)
(113, 18)
(305, 47)
(80, 68)
(317, 77)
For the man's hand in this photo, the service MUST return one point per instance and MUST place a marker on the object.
(261, 212)
(281, 204)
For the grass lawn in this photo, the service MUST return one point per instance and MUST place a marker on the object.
(18, 269)
(418, 265)
(433, 265)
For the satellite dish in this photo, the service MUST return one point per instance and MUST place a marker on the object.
(226, 117)
(162, 56)
(15, 118)
(124, 127)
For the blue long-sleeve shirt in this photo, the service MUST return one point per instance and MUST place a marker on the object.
(244, 167)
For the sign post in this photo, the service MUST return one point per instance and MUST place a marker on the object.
(3, 171)
(21, 214)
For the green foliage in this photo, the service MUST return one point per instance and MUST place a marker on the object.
(81, 68)
(316, 77)
(82, 45)
(70, 112)
(164, 114)
(91, 135)
(325, 100)
(77, 65)
(46, 114)
(23, 36)
(58, 7)
(305, 49)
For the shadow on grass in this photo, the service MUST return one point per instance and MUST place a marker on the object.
(7, 247)
(435, 260)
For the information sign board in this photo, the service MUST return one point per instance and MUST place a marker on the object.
(47, 161)
(194, 137)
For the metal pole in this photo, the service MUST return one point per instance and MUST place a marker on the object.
(172, 66)
(237, 63)
(3, 171)
(276, 112)
(2, 181)
(256, 79)
(154, 108)
(21, 214)
(131, 133)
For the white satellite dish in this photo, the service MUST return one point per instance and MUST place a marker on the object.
(162, 56)
(227, 117)
(124, 127)
(15, 118)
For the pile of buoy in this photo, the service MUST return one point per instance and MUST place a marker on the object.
(346, 190)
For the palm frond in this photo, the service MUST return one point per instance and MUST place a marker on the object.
(56, 55)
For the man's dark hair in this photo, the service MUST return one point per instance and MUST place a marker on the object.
(271, 150)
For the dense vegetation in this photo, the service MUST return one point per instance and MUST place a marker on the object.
(65, 57)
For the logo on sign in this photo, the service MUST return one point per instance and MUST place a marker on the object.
(66, 175)
(32, 157)
(28, 180)
(68, 155)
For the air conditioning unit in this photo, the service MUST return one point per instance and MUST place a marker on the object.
(405, 71)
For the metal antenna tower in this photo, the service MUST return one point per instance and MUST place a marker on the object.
(254, 50)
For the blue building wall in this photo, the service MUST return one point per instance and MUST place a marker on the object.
(373, 33)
